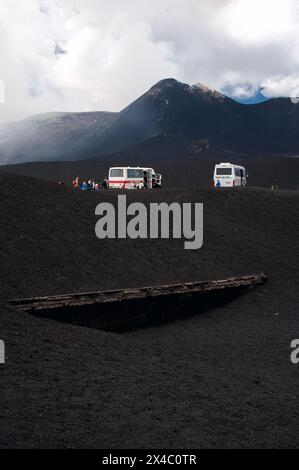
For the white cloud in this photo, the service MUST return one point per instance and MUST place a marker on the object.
(79, 55)
(241, 91)
(281, 86)
(260, 21)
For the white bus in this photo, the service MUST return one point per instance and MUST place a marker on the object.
(132, 178)
(227, 175)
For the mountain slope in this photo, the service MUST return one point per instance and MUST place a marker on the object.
(51, 136)
(169, 109)
(173, 109)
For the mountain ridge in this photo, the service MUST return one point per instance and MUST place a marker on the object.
(169, 108)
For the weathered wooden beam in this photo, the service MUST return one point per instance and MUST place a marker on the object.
(114, 296)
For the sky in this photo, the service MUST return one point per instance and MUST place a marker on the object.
(95, 55)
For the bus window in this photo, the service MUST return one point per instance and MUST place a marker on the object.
(135, 173)
(223, 171)
(117, 173)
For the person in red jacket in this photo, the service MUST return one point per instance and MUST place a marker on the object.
(76, 183)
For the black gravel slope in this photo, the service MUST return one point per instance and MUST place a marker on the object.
(264, 171)
(220, 379)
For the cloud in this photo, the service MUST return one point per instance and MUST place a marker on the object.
(240, 91)
(281, 86)
(81, 55)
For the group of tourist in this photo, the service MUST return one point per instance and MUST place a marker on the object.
(89, 185)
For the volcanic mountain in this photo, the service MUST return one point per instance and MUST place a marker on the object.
(169, 110)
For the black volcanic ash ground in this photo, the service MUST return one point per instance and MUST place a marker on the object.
(220, 379)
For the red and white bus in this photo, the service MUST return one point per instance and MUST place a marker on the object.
(132, 177)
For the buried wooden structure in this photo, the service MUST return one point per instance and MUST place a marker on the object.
(123, 309)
